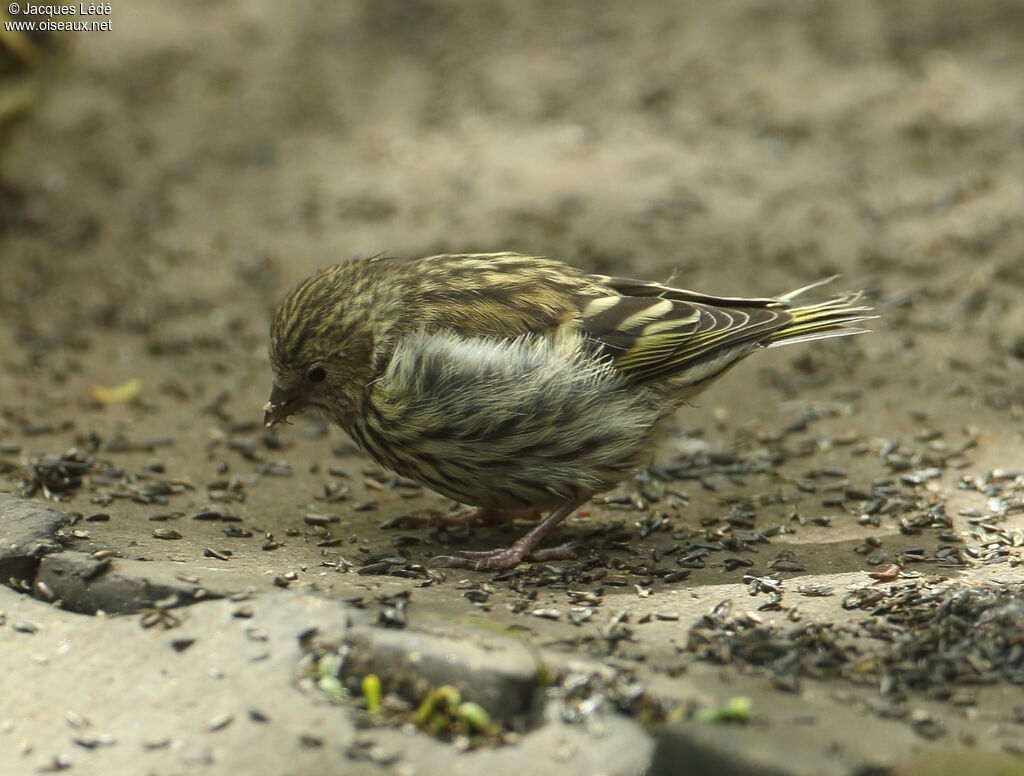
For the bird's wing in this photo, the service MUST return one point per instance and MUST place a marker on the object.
(653, 331)
(647, 288)
(653, 337)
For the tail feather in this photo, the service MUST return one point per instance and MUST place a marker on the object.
(655, 333)
(830, 318)
(804, 289)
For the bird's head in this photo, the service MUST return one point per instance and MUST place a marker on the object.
(320, 348)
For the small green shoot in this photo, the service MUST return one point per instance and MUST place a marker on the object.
(733, 710)
(371, 692)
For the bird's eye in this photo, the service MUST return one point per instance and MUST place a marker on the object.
(317, 374)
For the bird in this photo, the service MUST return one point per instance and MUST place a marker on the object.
(512, 382)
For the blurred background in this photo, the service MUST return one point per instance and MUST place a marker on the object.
(164, 184)
(178, 174)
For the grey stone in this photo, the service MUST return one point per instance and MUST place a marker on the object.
(221, 694)
(773, 750)
(613, 746)
(120, 586)
(27, 533)
(218, 690)
(501, 677)
(693, 748)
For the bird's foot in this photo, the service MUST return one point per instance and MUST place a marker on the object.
(495, 560)
(479, 516)
(522, 549)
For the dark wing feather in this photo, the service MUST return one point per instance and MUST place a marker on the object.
(653, 337)
(647, 288)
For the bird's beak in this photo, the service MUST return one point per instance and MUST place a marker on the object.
(281, 406)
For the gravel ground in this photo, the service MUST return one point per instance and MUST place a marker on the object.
(194, 163)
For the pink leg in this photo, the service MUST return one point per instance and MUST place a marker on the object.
(521, 549)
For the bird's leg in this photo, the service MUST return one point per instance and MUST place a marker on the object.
(521, 549)
(478, 516)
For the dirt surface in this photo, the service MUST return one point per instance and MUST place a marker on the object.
(193, 164)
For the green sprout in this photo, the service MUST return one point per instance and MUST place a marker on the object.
(371, 691)
(733, 710)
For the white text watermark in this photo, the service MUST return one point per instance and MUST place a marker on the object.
(34, 17)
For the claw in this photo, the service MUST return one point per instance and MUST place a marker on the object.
(497, 560)
(522, 548)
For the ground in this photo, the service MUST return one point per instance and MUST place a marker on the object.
(189, 167)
